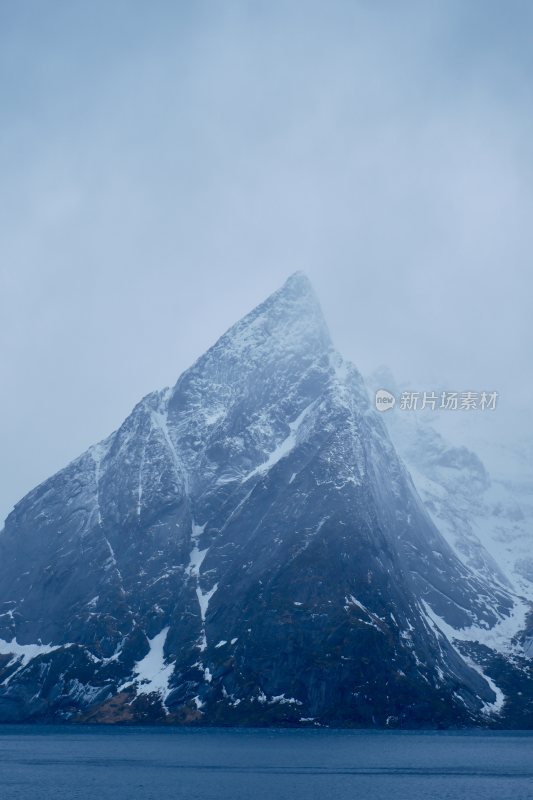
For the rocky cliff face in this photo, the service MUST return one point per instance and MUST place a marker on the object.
(246, 549)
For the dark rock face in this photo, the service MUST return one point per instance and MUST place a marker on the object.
(246, 549)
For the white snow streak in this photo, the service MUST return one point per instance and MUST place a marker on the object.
(284, 448)
(140, 485)
(160, 420)
(196, 559)
(152, 672)
(498, 640)
(196, 556)
(24, 653)
(98, 452)
(374, 619)
(204, 598)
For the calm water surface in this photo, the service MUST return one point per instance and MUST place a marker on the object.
(153, 764)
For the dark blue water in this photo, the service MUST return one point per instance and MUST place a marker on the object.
(121, 764)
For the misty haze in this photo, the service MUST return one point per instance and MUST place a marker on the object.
(267, 486)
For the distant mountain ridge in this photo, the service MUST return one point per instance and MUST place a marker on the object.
(247, 548)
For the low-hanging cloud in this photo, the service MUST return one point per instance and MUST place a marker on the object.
(165, 166)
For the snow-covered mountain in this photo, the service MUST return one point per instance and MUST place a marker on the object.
(248, 548)
(478, 491)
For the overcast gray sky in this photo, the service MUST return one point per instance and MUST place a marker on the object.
(166, 165)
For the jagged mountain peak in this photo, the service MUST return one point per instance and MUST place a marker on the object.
(288, 324)
(246, 548)
(296, 294)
